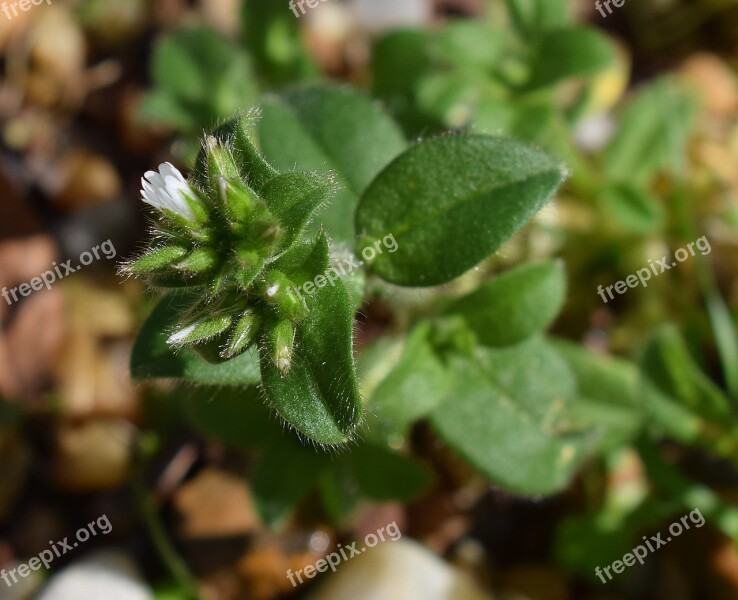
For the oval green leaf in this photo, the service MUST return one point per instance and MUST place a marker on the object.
(515, 305)
(451, 202)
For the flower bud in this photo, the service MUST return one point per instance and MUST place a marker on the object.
(220, 162)
(242, 335)
(249, 265)
(237, 201)
(281, 293)
(280, 339)
(201, 330)
(199, 261)
(158, 260)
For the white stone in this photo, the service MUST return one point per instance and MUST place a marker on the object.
(401, 570)
(594, 132)
(381, 15)
(108, 575)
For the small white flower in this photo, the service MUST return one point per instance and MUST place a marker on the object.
(166, 190)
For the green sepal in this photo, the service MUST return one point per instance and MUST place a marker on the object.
(280, 344)
(237, 201)
(176, 280)
(153, 358)
(202, 260)
(294, 197)
(252, 166)
(249, 266)
(281, 293)
(201, 330)
(220, 162)
(157, 260)
(242, 335)
(211, 350)
(200, 207)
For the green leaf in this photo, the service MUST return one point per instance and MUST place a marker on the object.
(234, 416)
(568, 52)
(304, 259)
(153, 358)
(516, 304)
(400, 59)
(512, 437)
(294, 197)
(651, 135)
(284, 474)
(548, 395)
(450, 97)
(469, 44)
(319, 395)
(371, 472)
(203, 74)
(158, 106)
(417, 384)
(333, 131)
(272, 34)
(533, 16)
(633, 209)
(612, 397)
(450, 202)
(384, 475)
(587, 541)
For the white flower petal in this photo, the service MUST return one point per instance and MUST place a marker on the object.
(181, 335)
(167, 190)
(168, 170)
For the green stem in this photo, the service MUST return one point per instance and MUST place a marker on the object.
(718, 313)
(164, 547)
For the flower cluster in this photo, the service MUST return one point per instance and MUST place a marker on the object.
(225, 243)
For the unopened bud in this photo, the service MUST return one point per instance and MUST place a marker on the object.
(280, 292)
(280, 344)
(199, 261)
(249, 265)
(201, 330)
(238, 202)
(243, 335)
(219, 160)
(158, 260)
(265, 228)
